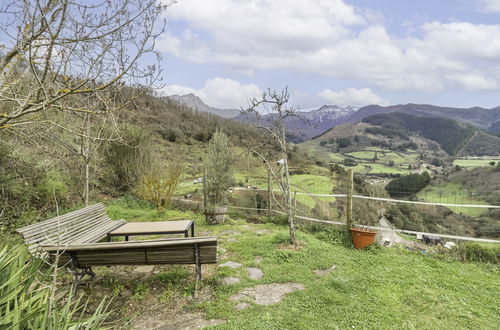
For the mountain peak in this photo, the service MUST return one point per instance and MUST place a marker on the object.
(193, 101)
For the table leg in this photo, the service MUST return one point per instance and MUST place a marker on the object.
(126, 238)
(186, 234)
(192, 229)
(109, 237)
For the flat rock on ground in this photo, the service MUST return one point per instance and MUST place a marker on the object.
(230, 280)
(266, 294)
(255, 273)
(144, 269)
(231, 264)
(258, 259)
(323, 272)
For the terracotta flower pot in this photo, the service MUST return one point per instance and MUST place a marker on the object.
(362, 238)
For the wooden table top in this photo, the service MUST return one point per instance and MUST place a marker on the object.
(131, 228)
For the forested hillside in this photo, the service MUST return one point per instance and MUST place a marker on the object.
(42, 167)
(451, 135)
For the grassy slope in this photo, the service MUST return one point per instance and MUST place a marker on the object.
(381, 288)
(474, 162)
(452, 193)
(365, 158)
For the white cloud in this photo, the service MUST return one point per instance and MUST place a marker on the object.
(489, 5)
(334, 39)
(177, 90)
(219, 92)
(352, 97)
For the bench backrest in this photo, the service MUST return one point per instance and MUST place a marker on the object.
(86, 225)
(148, 252)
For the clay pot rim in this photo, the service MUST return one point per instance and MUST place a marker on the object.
(365, 231)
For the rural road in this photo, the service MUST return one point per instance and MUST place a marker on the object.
(389, 234)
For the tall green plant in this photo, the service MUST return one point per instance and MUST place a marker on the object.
(218, 166)
(129, 159)
(27, 297)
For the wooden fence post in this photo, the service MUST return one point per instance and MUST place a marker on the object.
(269, 192)
(350, 188)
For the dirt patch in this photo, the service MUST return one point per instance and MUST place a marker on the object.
(166, 320)
(258, 259)
(266, 294)
(296, 247)
(323, 272)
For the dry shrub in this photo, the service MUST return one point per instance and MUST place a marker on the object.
(158, 186)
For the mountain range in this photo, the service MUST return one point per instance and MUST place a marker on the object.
(315, 122)
(486, 119)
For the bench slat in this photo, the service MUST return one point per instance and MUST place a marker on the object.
(66, 231)
(139, 244)
(63, 218)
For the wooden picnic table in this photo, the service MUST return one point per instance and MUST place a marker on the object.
(153, 228)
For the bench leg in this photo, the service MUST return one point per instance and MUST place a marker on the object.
(197, 268)
(79, 272)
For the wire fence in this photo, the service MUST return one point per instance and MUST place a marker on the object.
(460, 214)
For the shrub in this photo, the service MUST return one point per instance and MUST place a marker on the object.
(128, 160)
(218, 166)
(27, 189)
(158, 186)
(349, 162)
(473, 252)
(343, 142)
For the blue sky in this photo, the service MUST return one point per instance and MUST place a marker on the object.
(344, 52)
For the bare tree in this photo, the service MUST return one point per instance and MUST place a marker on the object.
(274, 103)
(83, 133)
(54, 49)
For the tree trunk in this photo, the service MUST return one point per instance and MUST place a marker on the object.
(86, 159)
(288, 189)
(87, 185)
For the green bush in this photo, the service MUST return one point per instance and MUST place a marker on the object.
(126, 161)
(343, 142)
(473, 252)
(28, 190)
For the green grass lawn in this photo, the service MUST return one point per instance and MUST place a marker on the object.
(379, 288)
(379, 168)
(367, 155)
(452, 193)
(474, 162)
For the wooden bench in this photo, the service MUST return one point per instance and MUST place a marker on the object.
(74, 238)
(88, 225)
(81, 257)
